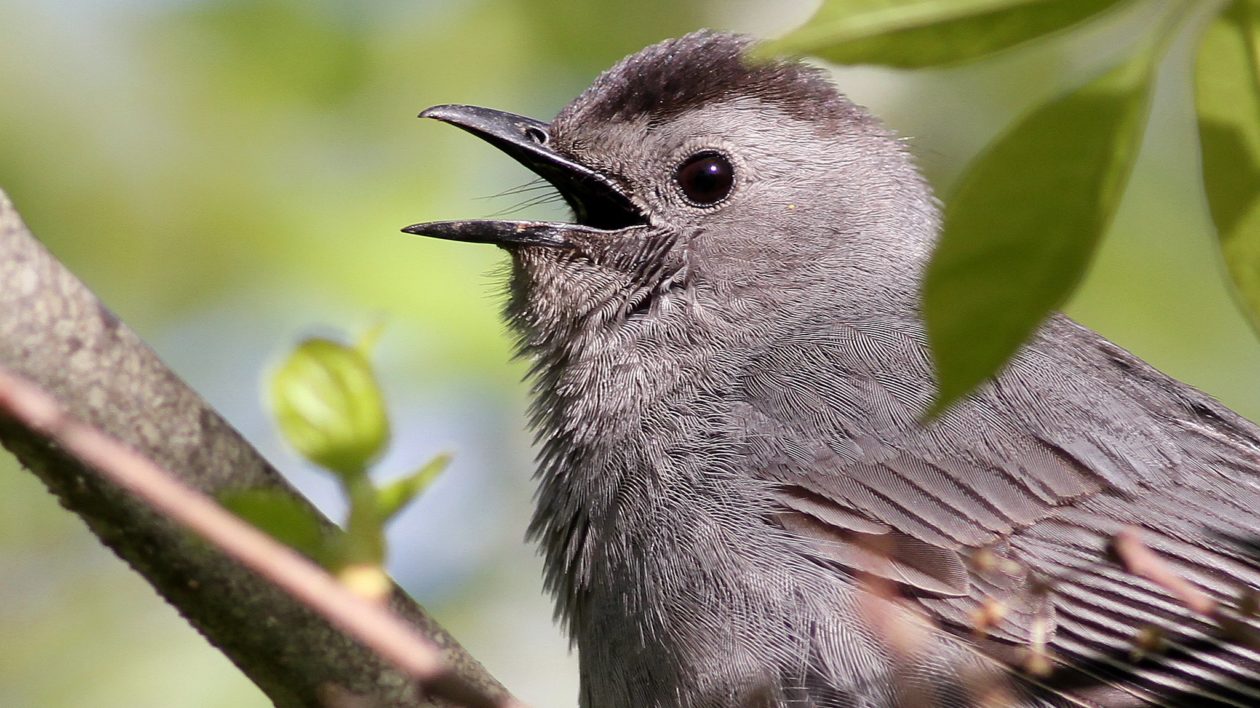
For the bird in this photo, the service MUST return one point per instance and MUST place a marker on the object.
(740, 499)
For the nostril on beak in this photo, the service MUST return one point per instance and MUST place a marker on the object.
(537, 135)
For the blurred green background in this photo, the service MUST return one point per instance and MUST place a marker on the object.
(230, 176)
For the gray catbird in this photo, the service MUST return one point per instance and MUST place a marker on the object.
(739, 503)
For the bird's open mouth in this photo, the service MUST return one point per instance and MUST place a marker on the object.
(599, 203)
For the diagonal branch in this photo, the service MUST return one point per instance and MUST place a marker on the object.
(372, 624)
(57, 335)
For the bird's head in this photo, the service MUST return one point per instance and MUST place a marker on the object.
(703, 183)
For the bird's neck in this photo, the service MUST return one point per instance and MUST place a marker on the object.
(615, 413)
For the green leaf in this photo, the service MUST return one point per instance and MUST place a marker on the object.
(1024, 222)
(1227, 81)
(327, 403)
(919, 33)
(284, 518)
(397, 494)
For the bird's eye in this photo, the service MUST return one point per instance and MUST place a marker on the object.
(705, 178)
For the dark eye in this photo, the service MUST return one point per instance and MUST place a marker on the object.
(705, 178)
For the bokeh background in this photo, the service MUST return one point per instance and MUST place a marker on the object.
(230, 176)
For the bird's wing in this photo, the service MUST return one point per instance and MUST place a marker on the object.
(1013, 498)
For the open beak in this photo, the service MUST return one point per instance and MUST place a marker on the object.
(599, 203)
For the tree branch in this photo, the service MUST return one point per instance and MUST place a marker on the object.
(57, 335)
(372, 624)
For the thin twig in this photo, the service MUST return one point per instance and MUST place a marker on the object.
(375, 626)
(1138, 559)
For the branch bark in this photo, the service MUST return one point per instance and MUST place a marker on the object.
(56, 334)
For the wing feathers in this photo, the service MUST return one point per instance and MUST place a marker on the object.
(1077, 440)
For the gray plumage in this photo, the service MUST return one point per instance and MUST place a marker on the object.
(727, 400)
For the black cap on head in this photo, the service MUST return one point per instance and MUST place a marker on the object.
(704, 67)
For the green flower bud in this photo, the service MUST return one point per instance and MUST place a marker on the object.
(329, 407)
